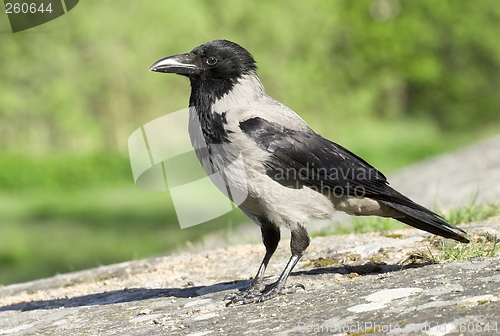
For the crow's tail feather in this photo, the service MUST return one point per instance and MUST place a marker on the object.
(426, 220)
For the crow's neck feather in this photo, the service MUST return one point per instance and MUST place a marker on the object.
(203, 95)
(214, 98)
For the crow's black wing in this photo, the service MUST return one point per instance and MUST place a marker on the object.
(309, 159)
(304, 158)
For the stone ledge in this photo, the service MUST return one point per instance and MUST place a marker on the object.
(351, 281)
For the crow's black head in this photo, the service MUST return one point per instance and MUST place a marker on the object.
(213, 68)
(218, 59)
(223, 59)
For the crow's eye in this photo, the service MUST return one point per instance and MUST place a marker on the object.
(211, 61)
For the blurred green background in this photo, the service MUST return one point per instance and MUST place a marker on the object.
(394, 81)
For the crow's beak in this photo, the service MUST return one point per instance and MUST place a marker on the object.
(182, 64)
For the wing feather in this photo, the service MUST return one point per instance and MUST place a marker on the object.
(304, 158)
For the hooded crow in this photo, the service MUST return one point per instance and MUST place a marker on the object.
(290, 174)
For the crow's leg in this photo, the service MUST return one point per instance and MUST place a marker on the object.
(270, 238)
(298, 244)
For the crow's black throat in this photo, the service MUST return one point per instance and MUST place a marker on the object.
(203, 95)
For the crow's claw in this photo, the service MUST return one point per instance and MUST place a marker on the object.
(253, 295)
(292, 289)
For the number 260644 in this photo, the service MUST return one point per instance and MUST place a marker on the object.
(25, 8)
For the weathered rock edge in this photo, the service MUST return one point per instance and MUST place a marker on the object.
(354, 283)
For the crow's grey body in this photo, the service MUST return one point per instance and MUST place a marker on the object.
(265, 150)
(280, 204)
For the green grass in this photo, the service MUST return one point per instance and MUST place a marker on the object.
(472, 213)
(440, 250)
(484, 245)
(62, 171)
(45, 233)
(369, 224)
(466, 214)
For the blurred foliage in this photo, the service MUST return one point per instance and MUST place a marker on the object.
(63, 171)
(395, 81)
(81, 82)
(43, 233)
(439, 59)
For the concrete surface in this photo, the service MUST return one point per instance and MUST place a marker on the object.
(355, 283)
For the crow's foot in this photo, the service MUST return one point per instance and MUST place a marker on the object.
(254, 294)
(256, 288)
